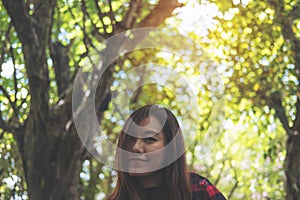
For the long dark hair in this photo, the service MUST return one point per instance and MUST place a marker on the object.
(175, 181)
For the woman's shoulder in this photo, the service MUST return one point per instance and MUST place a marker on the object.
(195, 178)
(202, 188)
(199, 182)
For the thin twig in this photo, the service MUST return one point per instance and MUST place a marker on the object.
(3, 46)
(236, 183)
(111, 15)
(1, 137)
(12, 103)
(15, 71)
(96, 32)
(4, 126)
(129, 19)
(100, 15)
(22, 102)
(86, 40)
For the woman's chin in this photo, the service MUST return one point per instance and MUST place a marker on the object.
(141, 174)
(136, 174)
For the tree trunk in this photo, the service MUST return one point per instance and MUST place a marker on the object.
(292, 167)
(285, 20)
(51, 164)
(292, 159)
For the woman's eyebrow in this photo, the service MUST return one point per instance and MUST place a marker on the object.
(151, 133)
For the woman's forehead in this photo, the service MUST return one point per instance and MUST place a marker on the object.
(150, 122)
(149, 125)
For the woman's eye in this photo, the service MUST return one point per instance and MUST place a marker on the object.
(150, 139)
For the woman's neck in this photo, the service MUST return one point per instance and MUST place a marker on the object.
(150, 180)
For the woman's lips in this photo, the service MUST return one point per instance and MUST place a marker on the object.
(142, 158)
(137, 159)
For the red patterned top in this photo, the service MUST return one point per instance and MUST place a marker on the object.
(202, 189)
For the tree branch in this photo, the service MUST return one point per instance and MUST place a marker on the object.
(98, 35)
(129, 19)
(4, 126)
(158, 15)
(275, 102)
(22, 102)
(22, 21)
(3, 46)
(295, 13)
(86, 39)
(111, 15)
(59, 55)
(11, 127)
(34, 33)
(285, 20)
(43, 15)
(236, 183)
(139, 91)
(100, 15)
(14, 73)
(12, 103)
(296, 122)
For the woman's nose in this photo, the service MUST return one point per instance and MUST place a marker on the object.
(138, 146)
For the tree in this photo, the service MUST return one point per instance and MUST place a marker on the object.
(51, 153)
(260, 45)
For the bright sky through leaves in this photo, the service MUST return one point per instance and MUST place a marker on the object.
(197, 18)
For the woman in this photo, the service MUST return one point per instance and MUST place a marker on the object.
(151, 163)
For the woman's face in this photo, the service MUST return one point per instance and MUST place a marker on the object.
(145, 160)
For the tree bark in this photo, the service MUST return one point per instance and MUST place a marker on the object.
(292, 167)
(292, 159)
(51, 164)
(285, 20)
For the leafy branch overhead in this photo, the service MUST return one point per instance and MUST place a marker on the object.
(33, 21)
